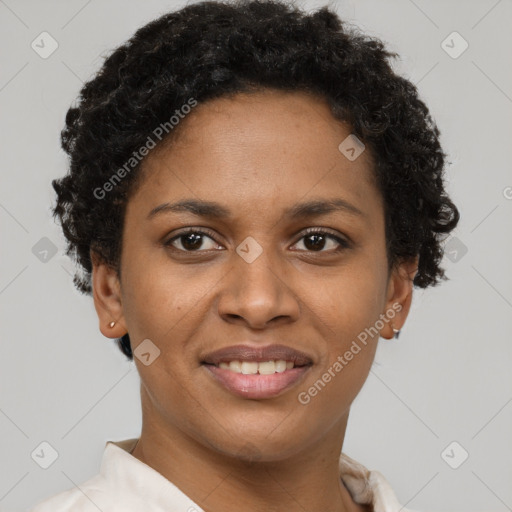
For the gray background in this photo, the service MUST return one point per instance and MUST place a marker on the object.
(446, 379)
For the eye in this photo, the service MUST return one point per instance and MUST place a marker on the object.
(317, 239)
(192, 240)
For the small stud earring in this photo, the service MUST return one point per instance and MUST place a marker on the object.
(111, 324)
(397, 332)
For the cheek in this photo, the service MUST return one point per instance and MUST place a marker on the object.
(159, 297)
(348, 308)
(348, 302)
(328, 398)
(350, 347)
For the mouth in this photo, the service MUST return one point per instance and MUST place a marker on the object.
(257, 368)
(257, 372)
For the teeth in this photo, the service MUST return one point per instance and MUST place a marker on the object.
(235, 366)
(280, 366)
(253, 367)
(249, 367)
(266, 368)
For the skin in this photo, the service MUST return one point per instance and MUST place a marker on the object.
(257, 155)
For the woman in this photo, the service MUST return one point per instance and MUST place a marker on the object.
(253, 194)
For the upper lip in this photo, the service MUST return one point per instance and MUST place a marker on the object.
(259, 354)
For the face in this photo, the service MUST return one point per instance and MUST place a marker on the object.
(292, 253)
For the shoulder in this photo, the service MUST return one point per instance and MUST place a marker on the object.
(88, 497)
(94, 495)
(105, 491)
(369, 487)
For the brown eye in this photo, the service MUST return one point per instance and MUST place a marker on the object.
(192, 241)
(316, 240)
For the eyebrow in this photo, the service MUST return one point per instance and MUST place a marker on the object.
(215, 210)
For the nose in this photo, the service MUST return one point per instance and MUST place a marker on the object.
(258, 294)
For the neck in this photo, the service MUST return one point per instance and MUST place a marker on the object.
(306, 480)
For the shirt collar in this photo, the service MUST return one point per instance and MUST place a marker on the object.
(124, 471)
(368, 487)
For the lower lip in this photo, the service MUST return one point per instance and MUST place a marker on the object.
(257, 386)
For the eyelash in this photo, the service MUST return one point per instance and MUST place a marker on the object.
(343, 244)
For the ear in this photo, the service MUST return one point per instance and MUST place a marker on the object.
(399, 296)
(106, 290)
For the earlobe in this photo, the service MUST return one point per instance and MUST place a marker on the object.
(107, 298)
(399, 298)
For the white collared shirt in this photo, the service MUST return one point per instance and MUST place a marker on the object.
(125, 484)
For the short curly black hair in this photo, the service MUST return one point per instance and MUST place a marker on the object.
(212, 49)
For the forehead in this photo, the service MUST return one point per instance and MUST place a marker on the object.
(266, 146)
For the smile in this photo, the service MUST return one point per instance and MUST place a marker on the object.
(257, 380)
(253, 367)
